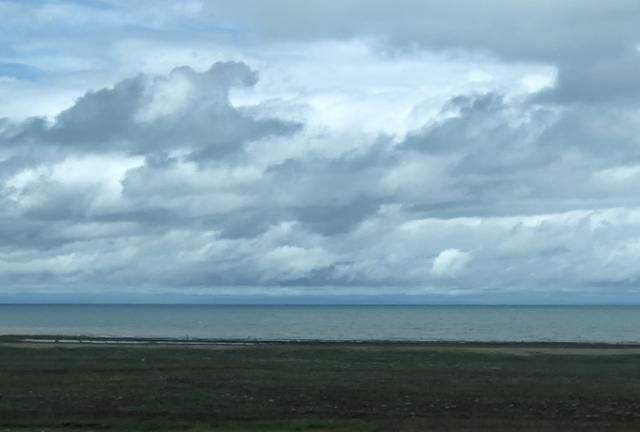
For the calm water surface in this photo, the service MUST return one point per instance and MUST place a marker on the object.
(460, 323)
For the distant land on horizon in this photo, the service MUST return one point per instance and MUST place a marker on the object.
(347, 300)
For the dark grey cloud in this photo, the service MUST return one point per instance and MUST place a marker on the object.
(593, 45)
(185, 110)
(502, 157)
(332, 195)
(599, 77)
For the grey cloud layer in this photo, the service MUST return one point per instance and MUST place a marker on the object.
(142, 115)
(497, 194)
(161, 182)
(594, 46)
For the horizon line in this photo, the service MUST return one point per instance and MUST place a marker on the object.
(317, 304)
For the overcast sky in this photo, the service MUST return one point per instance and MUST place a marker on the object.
(403, 150)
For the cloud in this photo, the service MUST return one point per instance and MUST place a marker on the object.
(398, 213)
(187, 110)
(286, 263)
(597, 58)
(415, 150)
(450, 262)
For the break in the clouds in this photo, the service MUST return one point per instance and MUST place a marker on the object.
(408, 149)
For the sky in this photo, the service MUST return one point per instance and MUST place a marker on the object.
(320, 151)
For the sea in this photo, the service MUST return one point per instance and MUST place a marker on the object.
(598, 324)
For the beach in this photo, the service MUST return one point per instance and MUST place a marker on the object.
(151, 384)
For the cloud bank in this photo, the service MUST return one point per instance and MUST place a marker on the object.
(412, 152)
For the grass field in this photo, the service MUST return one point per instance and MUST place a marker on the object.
(318, 387)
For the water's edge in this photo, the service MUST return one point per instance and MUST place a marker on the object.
(108, 340)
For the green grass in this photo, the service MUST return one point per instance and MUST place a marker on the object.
(313, 387)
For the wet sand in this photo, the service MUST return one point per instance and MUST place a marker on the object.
(509, 348)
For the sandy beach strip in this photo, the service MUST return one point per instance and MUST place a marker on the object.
(504, 348)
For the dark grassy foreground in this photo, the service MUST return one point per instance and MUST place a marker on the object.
(315, 387)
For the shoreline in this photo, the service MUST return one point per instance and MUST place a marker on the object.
(507, 347)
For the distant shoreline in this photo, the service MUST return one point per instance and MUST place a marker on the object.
(188, 341)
